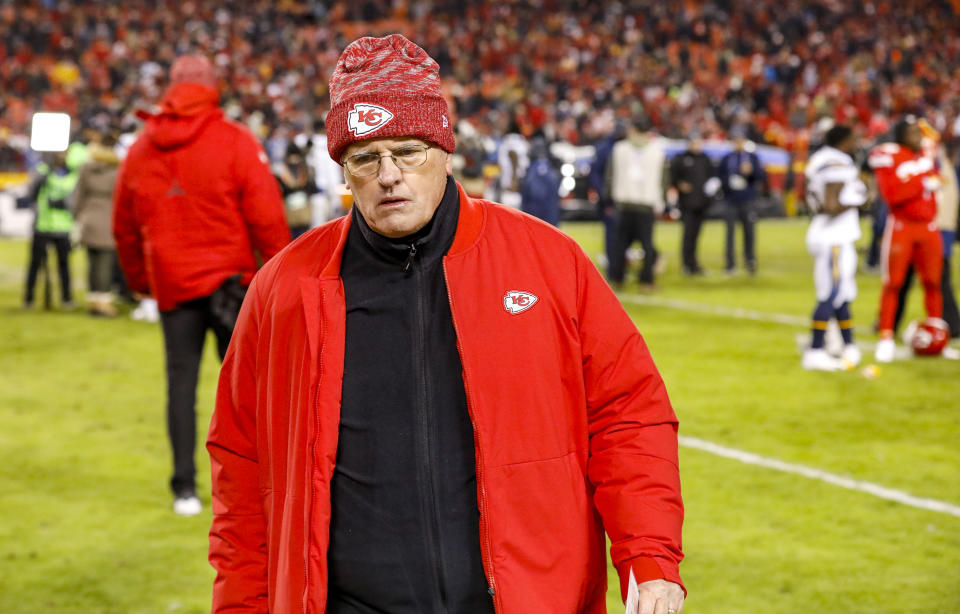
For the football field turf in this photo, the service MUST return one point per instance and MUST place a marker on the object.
(86, 525)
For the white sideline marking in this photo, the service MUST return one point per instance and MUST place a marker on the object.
(717, 310)
(876, 490)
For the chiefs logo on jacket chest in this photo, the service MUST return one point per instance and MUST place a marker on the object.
(515, 301)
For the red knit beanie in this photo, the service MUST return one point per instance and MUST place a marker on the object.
(192, 69)
(386, 87)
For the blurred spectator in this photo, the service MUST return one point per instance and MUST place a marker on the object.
(51, 193)
(195, 210)
(471, 173)
(541, 185)
(741, 173)
(513, 157)
(636, 175)
(94, 215)
(600, 191)
(297, 186)
(693, 176)
(778, 66)
(325, 202)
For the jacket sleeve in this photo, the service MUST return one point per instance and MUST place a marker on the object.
(238, 542)
(261, 204)
(126, 234)
(897, 191)
(633, 462)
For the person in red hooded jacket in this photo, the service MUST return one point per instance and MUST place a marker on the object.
(196, 208)
(435, 403)
(908, 180)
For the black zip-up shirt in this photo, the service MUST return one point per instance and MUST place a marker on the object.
(404, 532)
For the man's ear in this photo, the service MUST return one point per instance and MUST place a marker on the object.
(449, 163)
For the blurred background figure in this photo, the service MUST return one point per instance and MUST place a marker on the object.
(297, 185)
(94, 216)
(741, 173)
(51, 194)
(946, 220)
(470, 160)
(834, 194)
(513, 158)
(636, 176)
(325, 202)
(693, 176)
(195, 210)
(907, 178)
(600, 190)
(540, 193)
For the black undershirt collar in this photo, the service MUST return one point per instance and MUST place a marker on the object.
(430, 242)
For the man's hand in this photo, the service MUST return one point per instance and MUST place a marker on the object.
(659, 597)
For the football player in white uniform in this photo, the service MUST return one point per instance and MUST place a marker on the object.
(834, 193)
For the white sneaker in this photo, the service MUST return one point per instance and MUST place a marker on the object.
(188, 505)
(885, 350)
(819, 360)
(850, 356)
(146, 311)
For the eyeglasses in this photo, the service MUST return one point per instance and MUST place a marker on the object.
(406, 157)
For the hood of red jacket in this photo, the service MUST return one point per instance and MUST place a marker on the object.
(184, 110)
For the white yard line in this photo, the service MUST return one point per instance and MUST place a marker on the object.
(876, 490)
(716, 310)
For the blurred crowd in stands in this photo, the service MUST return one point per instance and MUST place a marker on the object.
(566, 69)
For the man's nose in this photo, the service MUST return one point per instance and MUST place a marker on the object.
(389, 173)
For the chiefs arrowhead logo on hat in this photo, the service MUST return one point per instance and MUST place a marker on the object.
(515, 301)
(367, 118)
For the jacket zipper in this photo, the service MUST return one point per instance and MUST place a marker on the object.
(313, 455)
(478, 449)
(433, 546)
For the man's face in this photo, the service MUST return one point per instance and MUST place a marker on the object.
(913, 137)
(397, 203)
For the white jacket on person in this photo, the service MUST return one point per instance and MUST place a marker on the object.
(636, 173)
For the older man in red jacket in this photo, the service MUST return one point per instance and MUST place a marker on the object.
(195, 208)
(435, 404)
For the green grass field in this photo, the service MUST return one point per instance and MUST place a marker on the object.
(86, 525)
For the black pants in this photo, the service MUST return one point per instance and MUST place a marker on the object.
(692, 223)
(746, 214)
(100, 263)
(38, 256)
(184, 332)
(634, 224)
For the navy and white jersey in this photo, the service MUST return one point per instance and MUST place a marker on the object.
(828, 166)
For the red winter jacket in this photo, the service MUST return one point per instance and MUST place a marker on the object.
(193, 200)
(573, 429)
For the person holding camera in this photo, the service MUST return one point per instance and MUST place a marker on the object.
(51, 192)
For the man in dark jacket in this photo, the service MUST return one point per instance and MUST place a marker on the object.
(435, 404)
(693, 176)
(540, 190)
(195, 209)
(741, 174)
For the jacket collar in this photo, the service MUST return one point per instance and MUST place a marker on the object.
(469, 226)
(432, 241)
